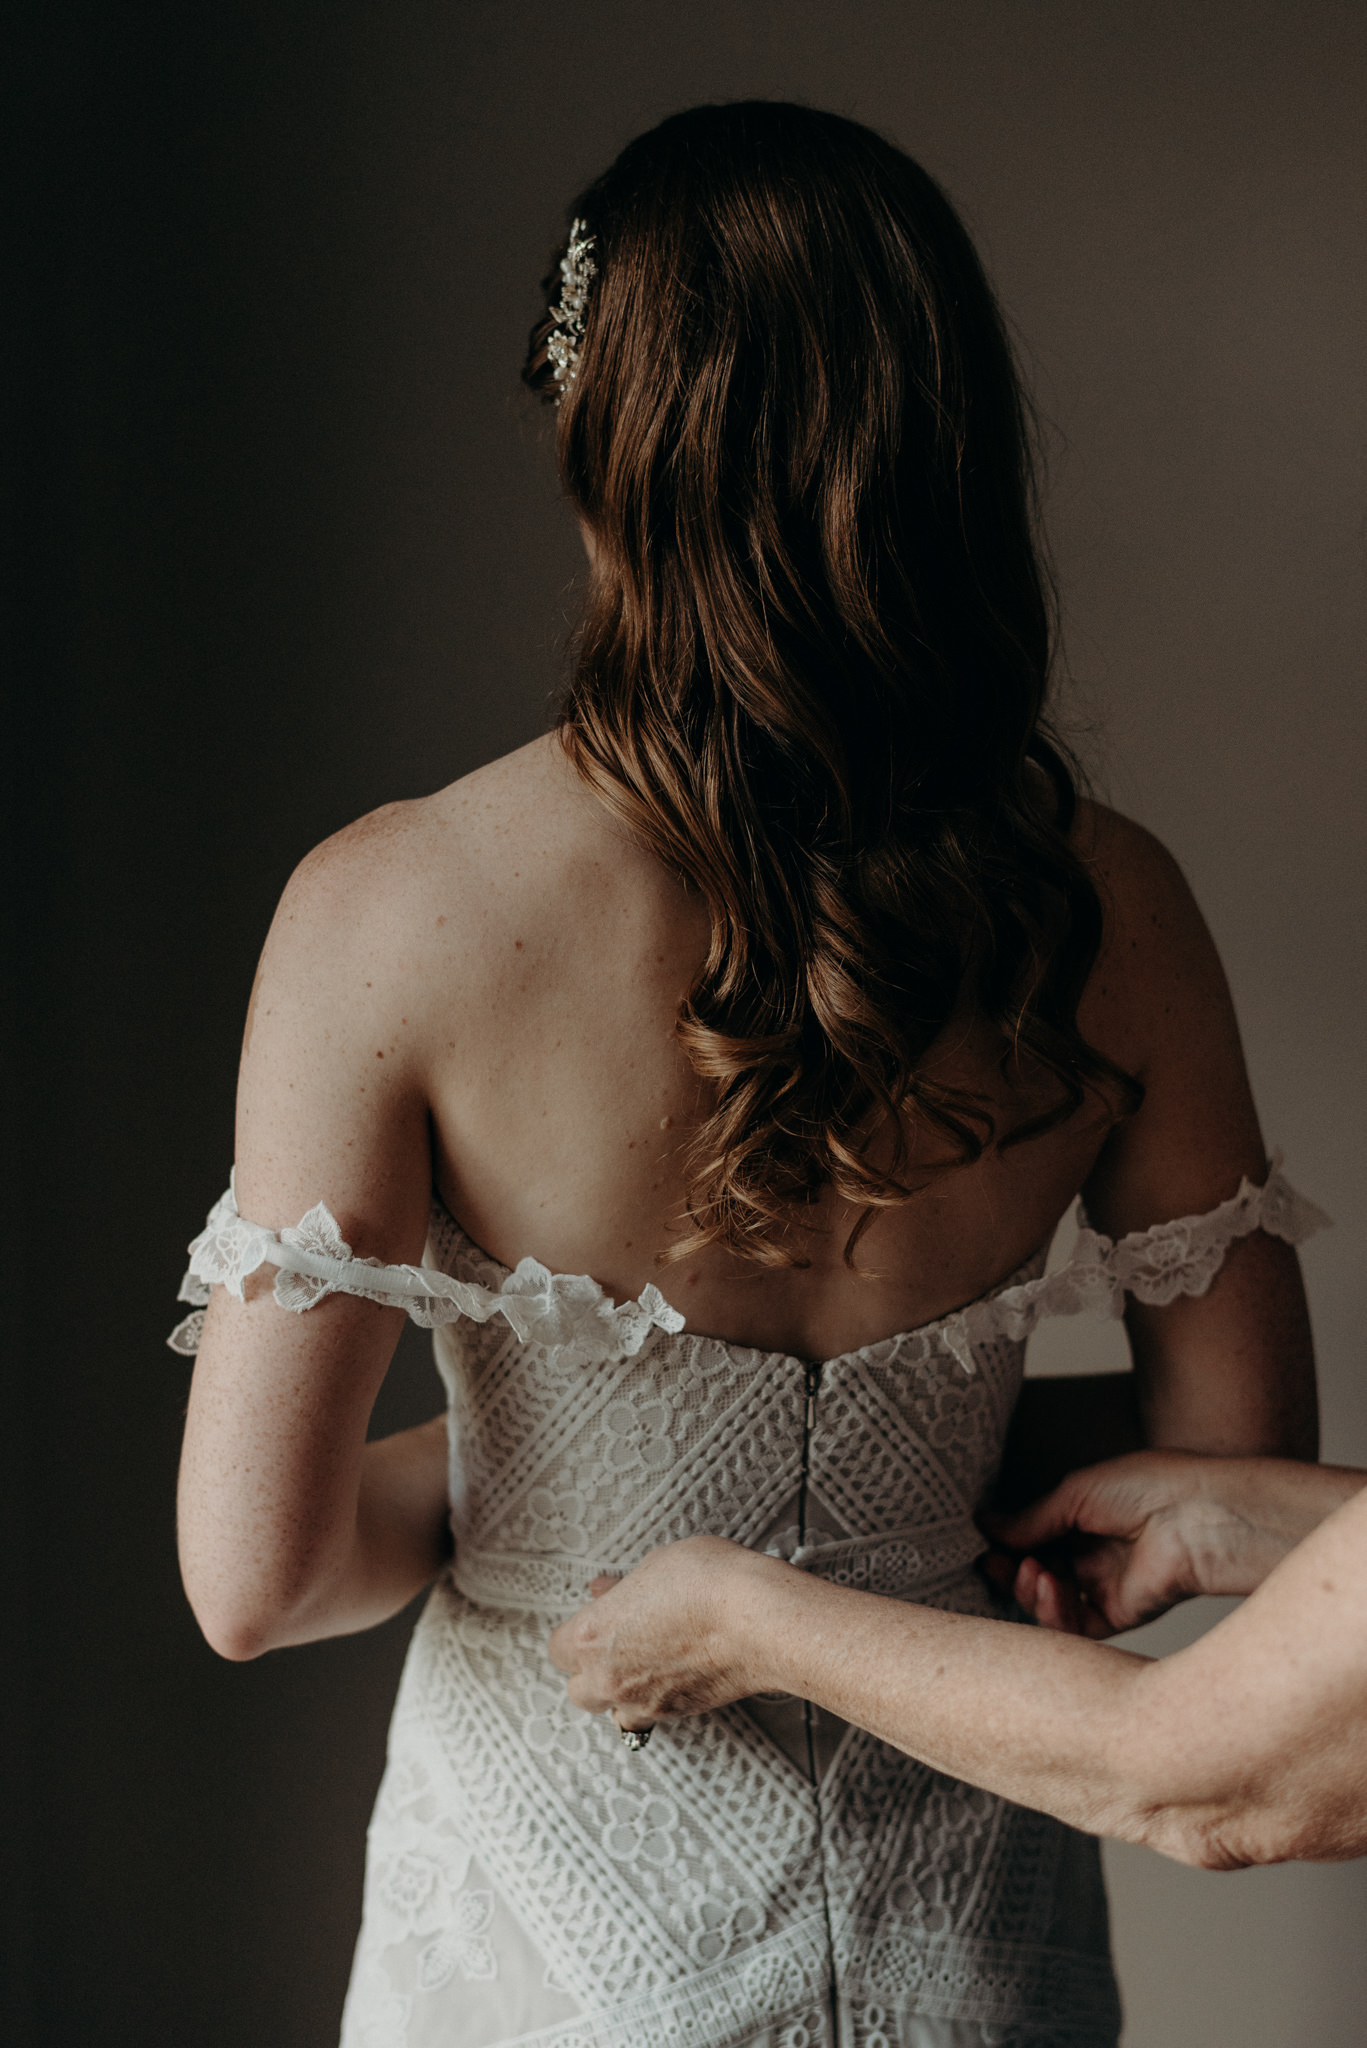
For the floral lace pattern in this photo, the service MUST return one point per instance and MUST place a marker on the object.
(313, 1260)
(760, 1877)
(1155, 1266)
(572, 1314)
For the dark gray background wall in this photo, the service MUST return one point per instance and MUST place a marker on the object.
(285, 544)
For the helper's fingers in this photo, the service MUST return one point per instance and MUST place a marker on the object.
(568, 1644)
(1024, 1587)
(1053, 1600)
(1058, 1605)
(1108, 1606)
(585, 1693)
(1126, 1585)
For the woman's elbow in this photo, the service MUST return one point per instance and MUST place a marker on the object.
(269, 1598)
(234, 1629)
(237, 1615)
(1259, 1829)
(1203, 1841)
(238, 1641)
(1209, 1812)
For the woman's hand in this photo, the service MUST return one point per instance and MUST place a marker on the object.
(666, 1639)
(1108, 1549)
(1119, 1543)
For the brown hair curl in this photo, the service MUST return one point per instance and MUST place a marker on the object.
(812, 669)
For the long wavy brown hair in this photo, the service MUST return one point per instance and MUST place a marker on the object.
(812, 667)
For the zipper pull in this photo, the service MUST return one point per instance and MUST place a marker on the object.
(813, 1382)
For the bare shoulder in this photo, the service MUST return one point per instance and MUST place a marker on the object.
(1139, 880)
(394, 944)
(354, 879)
(460, 858)
(1158, 975)
(1159, 1005)
(410, 925)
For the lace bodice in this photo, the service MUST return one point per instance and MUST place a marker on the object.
(762, 1877)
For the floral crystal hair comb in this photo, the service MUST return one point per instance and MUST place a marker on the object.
(576, 272)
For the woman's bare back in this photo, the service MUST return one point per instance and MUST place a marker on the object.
(476, 994)
(518, 965)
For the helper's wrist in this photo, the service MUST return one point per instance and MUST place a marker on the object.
(1231, 1551)
(755, 1621)
(1253, 1514)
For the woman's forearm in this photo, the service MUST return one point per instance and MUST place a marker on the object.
(399, 1542)
(380, 1556)
(1248, 1747)
(402, 1528)
(1041, 1718)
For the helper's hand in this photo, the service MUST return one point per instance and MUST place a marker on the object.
(1118, 1544)
(660, 1642)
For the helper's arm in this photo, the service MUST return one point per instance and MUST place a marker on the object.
(1249, 1747)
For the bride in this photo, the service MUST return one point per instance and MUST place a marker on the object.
(788, 990)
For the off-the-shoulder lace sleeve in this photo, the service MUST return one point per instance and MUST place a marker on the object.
(1155, 1266)
(313, 1260)
(573, 1314)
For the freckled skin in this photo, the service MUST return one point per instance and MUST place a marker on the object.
(518, 1079)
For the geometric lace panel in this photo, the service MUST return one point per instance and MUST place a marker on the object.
(759, 1876)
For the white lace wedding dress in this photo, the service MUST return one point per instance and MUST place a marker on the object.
(761, 1877)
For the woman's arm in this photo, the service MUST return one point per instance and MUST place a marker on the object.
(398, 1541)
(291, 1526)
(1136, 1535)
(1250, 1747)
(1230, 1371)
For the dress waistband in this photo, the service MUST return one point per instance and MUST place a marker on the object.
(909, 1563)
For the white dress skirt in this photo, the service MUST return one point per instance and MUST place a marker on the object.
(760, 1877)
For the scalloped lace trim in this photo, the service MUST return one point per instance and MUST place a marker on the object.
(1155, 1266)
(568, 1312)
(572, 1314)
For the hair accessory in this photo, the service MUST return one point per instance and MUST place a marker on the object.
(575, 272)
(636, 1738)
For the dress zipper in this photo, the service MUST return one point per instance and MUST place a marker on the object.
(811, 1390)
(808, 1425)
